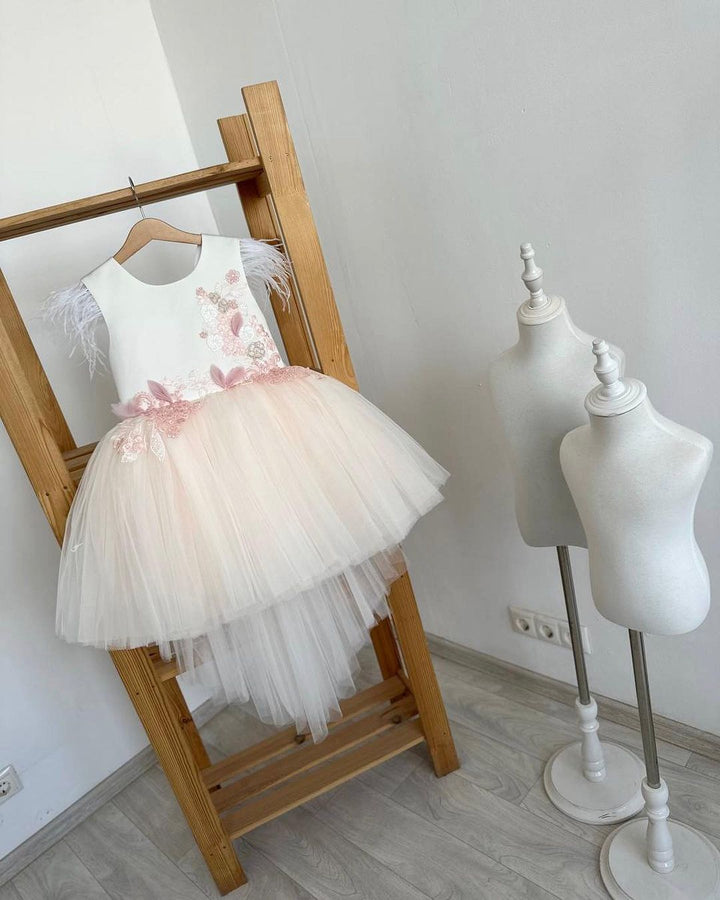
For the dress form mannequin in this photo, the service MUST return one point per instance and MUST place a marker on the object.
(635, 477)
(538, 389)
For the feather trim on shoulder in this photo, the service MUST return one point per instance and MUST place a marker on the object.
(74, 309)
(267, 271)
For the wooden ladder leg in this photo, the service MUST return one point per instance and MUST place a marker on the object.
(258, 207)
(183, 715)
(422, 678)
(259, 212)
(262, 225)
(284, 184)
(173, 735)
(386, 649)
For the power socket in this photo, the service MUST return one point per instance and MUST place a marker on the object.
(9, 783)
(546, 628)
(523, 621)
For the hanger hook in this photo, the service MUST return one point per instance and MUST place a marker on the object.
(137, 199)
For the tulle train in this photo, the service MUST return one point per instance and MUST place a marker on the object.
(293, 662)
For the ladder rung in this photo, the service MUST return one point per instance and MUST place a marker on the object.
(116, 201)
(165, 668)
(294, 763)
(77, 459)
(311, 784)
(285, 740)
(71, 456)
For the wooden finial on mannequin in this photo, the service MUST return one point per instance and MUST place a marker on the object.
(607, 370)
(613, 396)
(538, 308)
(533, 278)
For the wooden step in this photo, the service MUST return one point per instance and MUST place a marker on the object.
(322, 778)
(165, 668)
(77, 459)
(285, 740)
(307, 757)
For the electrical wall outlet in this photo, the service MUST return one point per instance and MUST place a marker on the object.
(523, 621)
(546, 628)
(9, 783)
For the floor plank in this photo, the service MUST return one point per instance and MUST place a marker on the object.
(388, 775)
(564, 865)
(694, 740)
(9, 892)
(151, 806)
(325, 863)
(512, 724)
(436, 862)
(451, 672)
(705, 766)
(58, 875)
(522, 727)
(504, 771)
(694, 798)
(536, 801)
(265, 880)
(127, 863)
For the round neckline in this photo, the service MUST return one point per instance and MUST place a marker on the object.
(163, 284)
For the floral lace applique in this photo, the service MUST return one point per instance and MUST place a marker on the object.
(274, 375)
(165, 409)
(281, 374)
(231, 329)
(129, 441)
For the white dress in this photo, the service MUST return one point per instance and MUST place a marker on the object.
(243, 513)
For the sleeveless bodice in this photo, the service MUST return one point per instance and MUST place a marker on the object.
(190, 337)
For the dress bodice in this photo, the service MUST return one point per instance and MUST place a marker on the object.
(189, 337)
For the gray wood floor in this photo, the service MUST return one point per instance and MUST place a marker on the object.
(487, 831)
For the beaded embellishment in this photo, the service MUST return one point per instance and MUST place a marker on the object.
(230, 329)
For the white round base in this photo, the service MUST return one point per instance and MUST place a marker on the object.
(615, 799)
(627, 875)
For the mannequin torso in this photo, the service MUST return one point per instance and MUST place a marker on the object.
(635, 477)
(538, 389)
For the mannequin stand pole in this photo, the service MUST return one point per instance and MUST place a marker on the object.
(647, 725)
(638, 859)
(576, 778)
(568, 584)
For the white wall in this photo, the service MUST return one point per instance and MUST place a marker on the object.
(87, 99)
(435, 137)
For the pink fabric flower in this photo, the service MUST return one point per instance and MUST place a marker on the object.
(236, 323)
(234, 376)
(159, 392)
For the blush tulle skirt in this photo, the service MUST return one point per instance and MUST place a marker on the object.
(258, 543)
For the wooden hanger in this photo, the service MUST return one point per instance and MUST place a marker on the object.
(147, 230)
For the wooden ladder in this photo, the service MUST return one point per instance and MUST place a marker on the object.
(227, 799)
